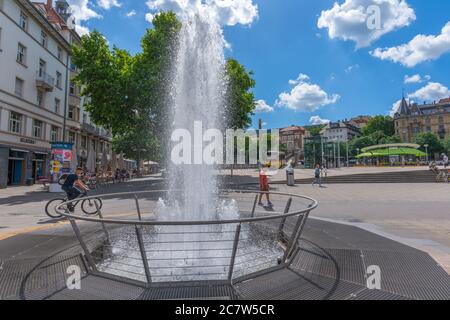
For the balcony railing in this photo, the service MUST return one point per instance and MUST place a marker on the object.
(44, 81)
(93, 130)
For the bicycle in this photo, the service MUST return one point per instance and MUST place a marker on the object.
(88, 206)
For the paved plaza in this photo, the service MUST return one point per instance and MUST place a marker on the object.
(414, 214)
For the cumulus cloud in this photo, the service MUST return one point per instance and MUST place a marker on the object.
(305, 96)
(149, 17)
(301, 78)
(108, 4)
(420, 49)
(417, 78)
(316, 120)
(433, 91)
(82, 10)
(262, 106)
(354, 20)
(226, 12)
(130, 14)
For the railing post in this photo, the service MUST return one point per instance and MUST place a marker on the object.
(283, 221)
(143, 254)
(254, 205)
(83, 245)
(99, 212)
(233, 254)
(138, 208)
(294, 236)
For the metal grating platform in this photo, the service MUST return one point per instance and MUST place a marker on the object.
(330, 265)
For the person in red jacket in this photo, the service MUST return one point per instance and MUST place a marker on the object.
(264, 187)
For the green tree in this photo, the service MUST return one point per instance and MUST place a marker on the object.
(130, 94)
(315, 130)
(446, 145)
(385, 124)
(427, 138)
(240, 102)
(106, 78)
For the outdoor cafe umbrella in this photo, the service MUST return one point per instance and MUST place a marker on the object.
(91, 161)
(74, 163)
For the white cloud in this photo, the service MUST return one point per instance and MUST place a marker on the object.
(262, 106)
(305, 96)
(131, 13)
(417, 78)
(433, 91)
(351, 68)
(82, 11)
(420, 49)
(81, 30)
(316, 120)
(108, 4)
(395, 108)
(349, 20)
(301, 78)
(149, 17)
(226, 12)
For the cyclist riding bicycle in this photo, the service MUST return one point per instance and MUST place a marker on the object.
(74, 187)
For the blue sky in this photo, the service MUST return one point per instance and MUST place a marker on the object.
(347, 69)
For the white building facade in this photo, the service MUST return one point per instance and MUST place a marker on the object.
(340, 132)
(37, 98)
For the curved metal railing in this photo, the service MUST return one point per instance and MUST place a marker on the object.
(151, 250)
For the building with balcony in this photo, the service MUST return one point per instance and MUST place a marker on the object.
(412, 119)
(38, 101)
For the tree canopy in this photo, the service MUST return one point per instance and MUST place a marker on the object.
(385, 124)
(430, 139)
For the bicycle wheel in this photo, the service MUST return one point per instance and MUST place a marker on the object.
(88, 206)
(50, 208)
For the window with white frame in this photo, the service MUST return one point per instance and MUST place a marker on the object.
(21, 54)
(18, 90)
(15, 122)
(58, 79)
(72, 112)
(44, 39)
(72, 88)
(40, 98)
(23, 22)
(72, 137)
(37, 128)
(54, 133)
(42, 68)
(60, 53)
(57, 105)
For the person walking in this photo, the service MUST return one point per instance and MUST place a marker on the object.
(264, 187)
(317, 176)
(445, 160)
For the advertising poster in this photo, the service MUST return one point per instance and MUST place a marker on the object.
(62, 156)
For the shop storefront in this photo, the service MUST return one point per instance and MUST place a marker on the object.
(22, 166)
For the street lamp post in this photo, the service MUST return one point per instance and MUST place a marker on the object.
(426, 151)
